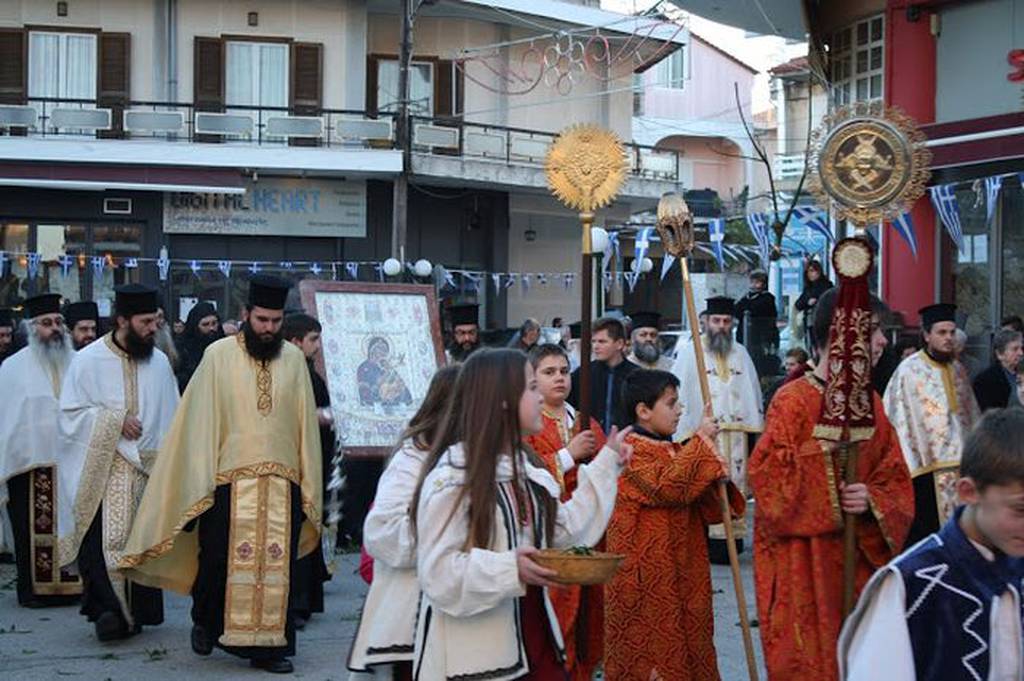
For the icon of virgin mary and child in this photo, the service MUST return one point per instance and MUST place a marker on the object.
(380, 385)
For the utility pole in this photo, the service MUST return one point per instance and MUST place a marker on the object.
(403, 134)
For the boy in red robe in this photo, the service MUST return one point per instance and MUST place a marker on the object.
(580, 610)
(658, 618)
(798, 520)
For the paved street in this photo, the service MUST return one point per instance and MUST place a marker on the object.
(43, 645)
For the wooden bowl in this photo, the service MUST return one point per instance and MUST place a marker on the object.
(596, 568)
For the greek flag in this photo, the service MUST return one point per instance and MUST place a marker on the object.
(904, 226)
(992, 186)
(642, 245)
(666, 264)
(716, 233)
(945, 203)
(758, 223)
(815, 219)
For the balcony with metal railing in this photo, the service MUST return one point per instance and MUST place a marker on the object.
(265, 137)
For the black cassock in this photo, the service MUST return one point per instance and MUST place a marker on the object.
(18, 501)
(311, 571)
(208, 591)
(98, 597)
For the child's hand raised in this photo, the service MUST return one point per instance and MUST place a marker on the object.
(582, 446)
(617, 442)
(708, 425)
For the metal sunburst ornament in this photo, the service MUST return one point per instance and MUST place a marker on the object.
(868, 162)
(586, 167)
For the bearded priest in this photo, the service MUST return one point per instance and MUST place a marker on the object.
(29, 452)
(736, 404)
(235, 497)
(931, 404)
(117, 403)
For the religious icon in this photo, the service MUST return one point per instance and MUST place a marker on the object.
(381, 347)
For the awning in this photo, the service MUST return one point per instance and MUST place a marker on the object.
(976, 140)
(85, 177)
(783, 18)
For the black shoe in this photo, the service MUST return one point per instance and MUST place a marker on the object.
(201, 642)
(718, 551)
(110, 627)
(276, 665)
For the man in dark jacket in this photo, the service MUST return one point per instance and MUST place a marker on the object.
(758, 332)
(995, 387)
(608, 371)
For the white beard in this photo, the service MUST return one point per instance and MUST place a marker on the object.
(55, 356)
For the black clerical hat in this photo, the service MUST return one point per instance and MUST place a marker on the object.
(268, 291)
(45, 303)
(940, 312)
(133, 299)
(5, 317)
(462, 315)
(81, 311)
(721, 305)
(645, 320)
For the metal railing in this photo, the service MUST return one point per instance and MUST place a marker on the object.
(185, 122)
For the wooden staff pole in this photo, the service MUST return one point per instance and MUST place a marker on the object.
(586, 313)
(723, 491)
(849, 532)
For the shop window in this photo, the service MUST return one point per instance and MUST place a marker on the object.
(54, 241)
(421, 87)
(13, 240)
(1010, 217)
(856, 61)
(972, 269)
(62, 65)
(256, 74)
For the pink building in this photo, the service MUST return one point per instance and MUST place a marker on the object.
(688, 104)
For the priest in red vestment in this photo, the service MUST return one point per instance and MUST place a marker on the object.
(797, 480)
(580, 610)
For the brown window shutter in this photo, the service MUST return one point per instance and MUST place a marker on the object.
(306, 78)
(208, 74)
(371, 86)
(13, 66)
(114, 73)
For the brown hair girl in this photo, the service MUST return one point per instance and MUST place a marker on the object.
(424, 425)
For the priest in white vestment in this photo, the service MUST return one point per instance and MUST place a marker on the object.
(932, 406)
(736, 402)
(29, 453)
(118, 401)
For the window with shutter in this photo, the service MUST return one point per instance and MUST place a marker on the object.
(306, 80)
(208, 74)
(114, 79)
(13, 66)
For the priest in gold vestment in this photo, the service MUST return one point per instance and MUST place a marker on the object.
(234, 499)
(932, 406)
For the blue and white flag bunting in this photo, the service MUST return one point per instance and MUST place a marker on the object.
(666, 264)
(946, 205)
(992, 186)
(642, 244)
(904, 226)
(99, 263)
(716, 232)
(33, 264)
(758, 223)
(225, 267)
(815, 219)
(352, 270)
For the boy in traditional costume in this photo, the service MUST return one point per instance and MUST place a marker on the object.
(658, 618)
(796, 472)
(949, 609)
(580, 610)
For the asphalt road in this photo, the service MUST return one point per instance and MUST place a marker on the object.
(57, 643)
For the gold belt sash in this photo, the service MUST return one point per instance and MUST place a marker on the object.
(259, 547)
(125, 486)
(47, 577)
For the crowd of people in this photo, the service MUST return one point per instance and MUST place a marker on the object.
(200, 468)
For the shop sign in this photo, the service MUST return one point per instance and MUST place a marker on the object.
(272, 207)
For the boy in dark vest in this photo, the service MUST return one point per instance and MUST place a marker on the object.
(949, 608)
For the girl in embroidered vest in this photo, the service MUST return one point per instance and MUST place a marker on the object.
(949, 609)
(388, 624)
(560, 444)
(483, 507)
